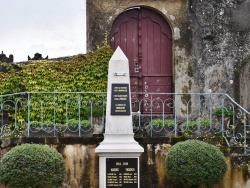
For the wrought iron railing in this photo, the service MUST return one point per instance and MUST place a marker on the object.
(154, 115)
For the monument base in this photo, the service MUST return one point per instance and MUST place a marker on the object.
(118, 143)
(119, 161)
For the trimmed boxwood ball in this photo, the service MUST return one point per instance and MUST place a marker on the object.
(33, 166)
(194, 162)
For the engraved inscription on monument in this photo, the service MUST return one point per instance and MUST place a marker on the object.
(122, 172)
(120, 103)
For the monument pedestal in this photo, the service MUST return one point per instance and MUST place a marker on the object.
(119, 161)
(119, 152)
(119, 143)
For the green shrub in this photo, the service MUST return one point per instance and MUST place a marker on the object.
(75, 123)
(194, 162)
(159, 123)
(205, 122)
(32, 166)
(196, 123)
(192, 123)
(228, 112)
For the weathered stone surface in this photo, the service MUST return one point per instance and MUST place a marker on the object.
(244, 79)
(211, 38)
(82, 162)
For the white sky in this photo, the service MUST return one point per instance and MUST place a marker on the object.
(56, 28)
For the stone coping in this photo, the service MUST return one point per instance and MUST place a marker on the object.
(95, 140)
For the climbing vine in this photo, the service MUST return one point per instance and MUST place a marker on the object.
(81, 73)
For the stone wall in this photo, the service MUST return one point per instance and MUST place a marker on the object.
(244, 85)
(82, 163)
(211, 38)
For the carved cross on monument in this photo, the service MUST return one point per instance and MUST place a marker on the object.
(119, 152)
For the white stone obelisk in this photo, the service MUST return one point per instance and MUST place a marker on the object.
(118, 152)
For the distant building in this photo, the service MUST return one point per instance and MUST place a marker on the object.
(37, 56)
(4, 58)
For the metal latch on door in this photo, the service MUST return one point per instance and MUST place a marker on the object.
(136, 65)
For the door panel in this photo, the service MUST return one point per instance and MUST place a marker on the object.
(146, 39)
(157, 80)
(124, 33)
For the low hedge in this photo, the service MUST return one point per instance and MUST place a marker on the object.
(32, 166)
(194, 162)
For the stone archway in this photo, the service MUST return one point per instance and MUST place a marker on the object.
(145, 37)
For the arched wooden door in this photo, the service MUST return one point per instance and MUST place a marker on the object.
(146, 39)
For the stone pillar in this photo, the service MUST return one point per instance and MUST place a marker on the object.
(119, 152)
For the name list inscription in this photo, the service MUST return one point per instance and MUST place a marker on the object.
(122, 172)
(120, 103)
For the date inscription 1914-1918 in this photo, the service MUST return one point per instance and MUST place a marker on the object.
(122, 172)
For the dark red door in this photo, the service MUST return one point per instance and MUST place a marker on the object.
(146, 39)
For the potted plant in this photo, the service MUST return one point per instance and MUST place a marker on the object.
(96, 114)
(70, 129)
(161, 128)
(227, 112)
(42, 129)
(224, 114)
(196, 127)
(78, 128)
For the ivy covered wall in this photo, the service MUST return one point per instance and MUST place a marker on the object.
(81, 73)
